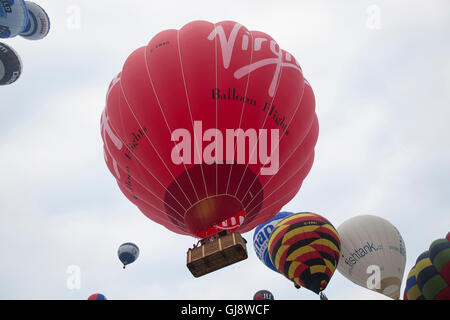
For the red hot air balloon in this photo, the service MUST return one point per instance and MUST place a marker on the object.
(211, 127)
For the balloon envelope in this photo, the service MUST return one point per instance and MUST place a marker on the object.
(432, 271)
(261, 238)
(263, 295)
(38, 23)
(211, 127)
(13, 18)
(128, 253)
(412, 290)
(10, 65)
(372, 246)
(305, 247)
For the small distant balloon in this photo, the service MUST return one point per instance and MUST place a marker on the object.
(128, 253)
(13, 18)
(97, 296)
(38, 23)
(263, 295)
(10, 65)
(261, 238)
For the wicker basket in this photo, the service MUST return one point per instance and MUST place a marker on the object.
(216, 254)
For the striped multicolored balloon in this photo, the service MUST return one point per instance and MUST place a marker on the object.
(412, 290)
(305, 248)
(429, 279)
(433, 271)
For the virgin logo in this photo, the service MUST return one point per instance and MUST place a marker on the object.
(106, 129)
(226, 148)
(227, 47)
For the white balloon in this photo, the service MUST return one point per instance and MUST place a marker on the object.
(373, 254)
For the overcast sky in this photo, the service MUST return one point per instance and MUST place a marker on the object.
(381, 75)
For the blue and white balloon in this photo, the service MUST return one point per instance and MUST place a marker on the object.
(13, 18)
(261, 238)
(38, 23)
(10, 65)
(128, 253)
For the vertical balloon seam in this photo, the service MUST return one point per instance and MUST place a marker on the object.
(278, 144)
(382, 235)
(168, 128)
(289, 157)
(391, 261)
(259, 134)
(27, 17)
(167, 124)
(190, 111)
(288, 195)
(367, 234)
(401, 271)
(282, 135)
(154, 148)
(31, 17)
(146, 202)
(215, 77)
(359, 279)
(373, 225)
(300, 166)
(132, 154)
(139, 167)
(436, 245)
(140, 183)
(243, 103)
(187, 101)
(120, 165)
(369, 228)
(288, 179)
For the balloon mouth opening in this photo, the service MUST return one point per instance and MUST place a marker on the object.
(390, 287)
(392, 291)
(221, 198)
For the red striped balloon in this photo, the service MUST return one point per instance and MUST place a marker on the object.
(305, 248)
(210, 127)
